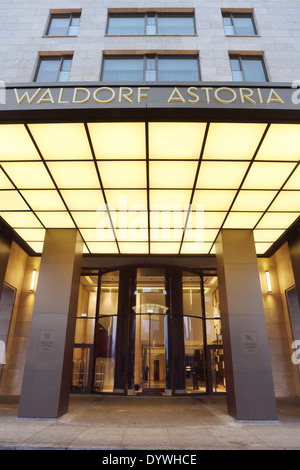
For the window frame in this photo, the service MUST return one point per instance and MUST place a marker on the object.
(67, 15)
(240, 14)
(148, 14)
(60, 57)
(151, 55)
(240, 58)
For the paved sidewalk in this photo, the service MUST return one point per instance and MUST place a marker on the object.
(131, 423)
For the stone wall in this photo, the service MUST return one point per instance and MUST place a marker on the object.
(23, 25)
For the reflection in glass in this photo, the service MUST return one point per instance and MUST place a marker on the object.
(105, 354)
(150, 354)
(151, 330)
(86, 310)
(215, 357)
(191, 286)
(84, 331)
(109, 294)
(81, 361)
(175, 24)
(194, 354)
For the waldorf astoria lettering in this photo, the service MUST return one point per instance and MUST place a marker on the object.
(149, 96)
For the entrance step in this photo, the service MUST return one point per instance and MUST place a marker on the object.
(152, 391)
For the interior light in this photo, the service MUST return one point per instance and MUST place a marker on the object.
(262, 235)
(164, 247)
(63, 141)
(55, 219)
(267, 175)
(72, 175)
(126, 199)
(16, 143)
(44, 200)
(242, 220)
(277, 220)
(218, 200)
(286, 200)
(29, 175)
(172, 174)
(221, 175)
(233, 141)
(171, 199)
(294, 180)
(268, 282)
(282, 142)
(33, 278)
(123, 174)
(12, 201)
(36, 246)
(175, 140)
(83, 199)
(21, 219)
(261, 248)
(103, 247)
(32, 235)
(118, 140)
(195, 247)
(4, 181)
(248, 200)
(133, 247)
(166, 234)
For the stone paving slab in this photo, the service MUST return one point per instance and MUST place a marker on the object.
(130, 423)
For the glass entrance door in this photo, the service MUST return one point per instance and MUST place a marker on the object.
(150, 371)
(150, 330)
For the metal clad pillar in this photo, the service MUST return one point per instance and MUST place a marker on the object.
(48, 369)
(249, 381)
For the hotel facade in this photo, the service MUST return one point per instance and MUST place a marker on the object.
(149, 201)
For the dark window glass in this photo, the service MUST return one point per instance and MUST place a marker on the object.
(125, 24)
(64, 25)
(175, 24)
(119, 69)
(248, 69)
(54, 69)
(150, 68)
(151, 23)
(239, 24)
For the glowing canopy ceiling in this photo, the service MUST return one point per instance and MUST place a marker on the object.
(157, 187)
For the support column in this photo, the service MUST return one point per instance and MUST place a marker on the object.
(294, 247)
(4, 255)
(249, 381)
(124, 347)
(177, 335)
(48, 369)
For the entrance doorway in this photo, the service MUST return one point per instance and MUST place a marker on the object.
(134, 335)
(151, 331)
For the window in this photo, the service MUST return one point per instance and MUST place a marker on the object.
(54, 69)
(151, 23)
(63, 24)
(150, 68)
(248, 68)
(239, 24)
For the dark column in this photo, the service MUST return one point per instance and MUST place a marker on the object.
(48, 369)
(177, 338)
(249, 381)
(294, 247)
(127, 277)
(4, 255)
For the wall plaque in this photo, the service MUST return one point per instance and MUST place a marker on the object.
(47, 340)
(249, 343)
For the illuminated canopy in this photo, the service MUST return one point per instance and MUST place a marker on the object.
(150, 187)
